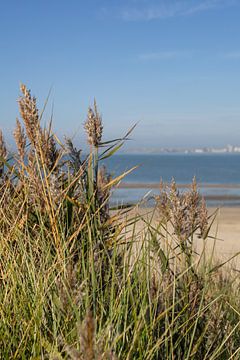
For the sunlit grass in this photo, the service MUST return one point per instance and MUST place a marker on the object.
(81, 281)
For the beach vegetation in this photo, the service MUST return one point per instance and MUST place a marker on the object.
(80, 279)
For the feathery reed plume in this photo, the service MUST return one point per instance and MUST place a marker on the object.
(31, 160)
(178, 212)
(52, 152)
(48, 149)
(186, 211)
(93, 126)
(29, 113)
(20, 139)
(3, 153)
(74, 154)
(184, 208)
(163, 203)
(192, 200)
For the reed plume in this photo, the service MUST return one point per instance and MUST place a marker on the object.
(75, 155)
(185, 211)
(163, 204)
(48, 150)
(93, 126)
(29, 113)
(20, 139)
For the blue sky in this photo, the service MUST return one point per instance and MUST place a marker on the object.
(172, 65)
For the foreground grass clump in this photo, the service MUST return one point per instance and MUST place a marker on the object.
(79, 281)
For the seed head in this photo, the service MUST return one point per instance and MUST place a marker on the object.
(186, 211)
(48, 149)
(29, 113)
(93, 126)
(20, 139)
(74, 154)
(163, 204)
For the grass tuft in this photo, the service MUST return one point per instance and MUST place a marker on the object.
(79, 280)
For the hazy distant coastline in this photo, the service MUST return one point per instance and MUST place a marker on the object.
(228, 149)
(139, 185)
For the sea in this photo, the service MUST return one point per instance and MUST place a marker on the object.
(218, 176)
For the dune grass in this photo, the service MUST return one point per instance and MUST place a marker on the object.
(79, 280)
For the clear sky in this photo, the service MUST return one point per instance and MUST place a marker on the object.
(172, 65)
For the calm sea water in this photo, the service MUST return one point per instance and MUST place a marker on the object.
(208, 169)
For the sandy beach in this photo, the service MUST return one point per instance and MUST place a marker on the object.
(224, 234)
(226, 227)
(227, 230)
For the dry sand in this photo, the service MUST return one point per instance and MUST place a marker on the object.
(225, 230)
(226, 227)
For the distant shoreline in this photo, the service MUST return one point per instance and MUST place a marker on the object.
(146, 153)
(212, 197)
(144, 185)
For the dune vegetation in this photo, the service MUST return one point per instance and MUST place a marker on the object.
(80, 280)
